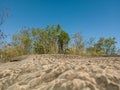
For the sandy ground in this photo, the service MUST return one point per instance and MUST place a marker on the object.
(61, 72)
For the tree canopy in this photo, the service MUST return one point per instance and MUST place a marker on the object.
(54, 40)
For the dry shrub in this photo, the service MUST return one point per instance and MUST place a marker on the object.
(8, 54)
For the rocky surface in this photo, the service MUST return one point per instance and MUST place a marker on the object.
(61, 72)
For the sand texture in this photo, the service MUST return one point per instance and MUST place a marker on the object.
(60, 72)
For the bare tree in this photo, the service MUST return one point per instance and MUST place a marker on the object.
(3, 16)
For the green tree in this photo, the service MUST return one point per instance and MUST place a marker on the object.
(63, 40)
(99, 46)
(22, 41)
(110, 46)
(48, 40)
(105, 46)
(53, 33)
(39, 41)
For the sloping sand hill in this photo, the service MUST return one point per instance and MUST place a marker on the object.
(60, 72)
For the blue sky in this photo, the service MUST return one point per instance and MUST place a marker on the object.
(93, 18)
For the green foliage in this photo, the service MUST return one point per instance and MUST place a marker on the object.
(110, 46)
(39, 49)
(52, 39)
(63, 40)
(68, 51)
(22, 41)
(38, 40)
(104, 46)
